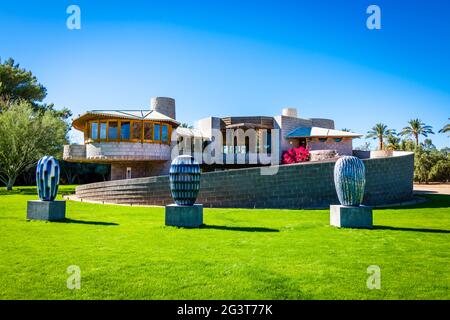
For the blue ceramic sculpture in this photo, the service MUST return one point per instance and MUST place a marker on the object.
(184, 177)
(47, 178)
(349, 180)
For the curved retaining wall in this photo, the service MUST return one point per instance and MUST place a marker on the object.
(305, 185)
(117, 151)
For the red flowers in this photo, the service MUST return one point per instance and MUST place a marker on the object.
(294, 155)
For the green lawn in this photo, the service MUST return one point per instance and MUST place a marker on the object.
(128, 253)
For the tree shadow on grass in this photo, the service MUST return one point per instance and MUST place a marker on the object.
(97, 223)
(420, 192)
(245, 229)
(433, 201)
(411, 229)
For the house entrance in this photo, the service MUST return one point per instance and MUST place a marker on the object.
(302, 142)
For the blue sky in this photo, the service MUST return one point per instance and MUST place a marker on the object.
(241, 57)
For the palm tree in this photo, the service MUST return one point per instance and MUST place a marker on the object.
(393, 142)
(446, 128)
(185, 125)
(380, 131)
(416, 128)
(428, 144)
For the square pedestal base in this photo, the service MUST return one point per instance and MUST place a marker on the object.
(46, 210)
(184, 216)
(351, 217)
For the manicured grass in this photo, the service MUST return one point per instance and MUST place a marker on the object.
(128, 253)
(62, 190)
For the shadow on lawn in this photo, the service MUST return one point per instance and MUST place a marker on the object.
(410, 229)
(97, 223)
(433, 201)
(246, 229)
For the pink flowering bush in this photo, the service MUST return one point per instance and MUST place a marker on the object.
(295, 155)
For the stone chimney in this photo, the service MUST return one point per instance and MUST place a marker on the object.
(164, 105)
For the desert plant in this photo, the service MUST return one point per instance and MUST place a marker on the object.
(295, 155)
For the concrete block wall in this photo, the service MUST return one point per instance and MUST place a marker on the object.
(127, 151)
(343, 148)
(373, 154)
(206, 125)
(304, 185)
(320, 155)
(139, 169)
(322, 123)
(74, 152)
(286, 125)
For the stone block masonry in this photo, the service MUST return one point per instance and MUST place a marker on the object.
(46, 210)
(304, 185)
(351, 217)
(138, 169)
(184, 216)
(117, 151)
(343, 147)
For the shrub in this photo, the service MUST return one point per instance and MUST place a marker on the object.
(440, 171)
(295, 155)
(431, 165)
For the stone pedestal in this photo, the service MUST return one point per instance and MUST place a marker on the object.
(46, 210)
(184, 216)
(351, 217)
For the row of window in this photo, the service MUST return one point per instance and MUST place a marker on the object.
(325, 139)
(245, 148)
(126, 130)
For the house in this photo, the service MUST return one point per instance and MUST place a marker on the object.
(141, 143)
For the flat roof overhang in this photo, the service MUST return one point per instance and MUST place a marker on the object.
(79, 123)
(316, 132)
(248, 125)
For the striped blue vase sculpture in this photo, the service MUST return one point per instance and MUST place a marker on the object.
(184, 177)
(47, 178)
(349, 180)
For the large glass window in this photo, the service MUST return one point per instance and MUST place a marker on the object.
(94, 130)
(112, 130)
(148, 131)
(156, 133)
(165, 133)
(124, 130)
(136, 131)
(102, 130)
